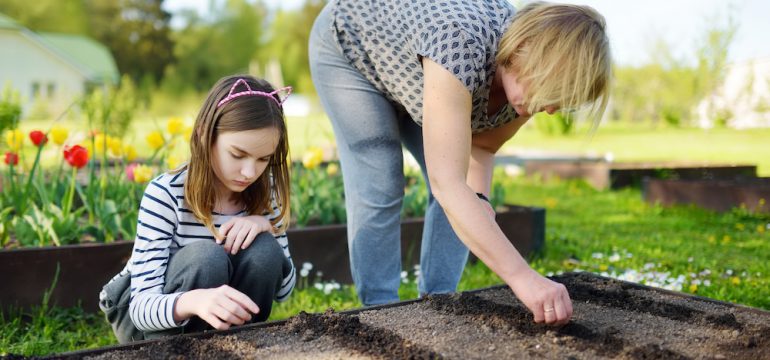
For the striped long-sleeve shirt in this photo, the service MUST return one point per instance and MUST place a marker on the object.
(164, 226)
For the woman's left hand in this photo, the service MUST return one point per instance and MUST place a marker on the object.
(239, 232)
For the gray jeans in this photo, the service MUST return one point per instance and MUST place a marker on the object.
(256, 271)
(370, 131)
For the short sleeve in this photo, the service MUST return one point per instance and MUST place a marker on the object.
(456, 51)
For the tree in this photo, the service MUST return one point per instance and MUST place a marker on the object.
(137, 32)
(288, 44)
(67, 17)
(669, 88)
(223, 44)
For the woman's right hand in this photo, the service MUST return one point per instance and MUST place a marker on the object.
(220, 307)
(548, 300)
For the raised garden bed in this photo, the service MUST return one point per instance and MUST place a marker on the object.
(604, 175)
(84, 269)
(326, 247)
(611, 320)
(717, 195)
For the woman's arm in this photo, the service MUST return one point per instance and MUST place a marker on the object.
(484, 146)
(448, 149)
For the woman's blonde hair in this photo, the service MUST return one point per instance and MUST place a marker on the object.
(239, 114)
(562, 53)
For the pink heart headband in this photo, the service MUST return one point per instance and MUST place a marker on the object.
(248, 91)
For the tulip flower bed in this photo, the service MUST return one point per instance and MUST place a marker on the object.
(612, 320)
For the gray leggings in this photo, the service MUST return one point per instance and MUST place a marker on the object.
(256, 271)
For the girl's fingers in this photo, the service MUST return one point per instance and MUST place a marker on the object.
(243, 300)
(226, 315)
(239, 314)
(215, 322)
(231, 236)
(224, 229)
(239, 238)
(253, 232)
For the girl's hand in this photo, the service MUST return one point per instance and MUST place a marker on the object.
(548, 300)
(239, 232)
(220, 307)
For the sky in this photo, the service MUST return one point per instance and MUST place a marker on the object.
(634, 26)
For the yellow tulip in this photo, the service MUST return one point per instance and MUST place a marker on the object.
(98, 144)
(59, 134)
(173, 161)
(155, 140)
(88, 146)
(115, 146)
(312, 157)
(14, 139)
(332, 169)
(175, 126)
(129, 151)
(187, 133)
(142, 173)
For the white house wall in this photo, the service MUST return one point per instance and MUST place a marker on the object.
(745, 93)
(24, 62)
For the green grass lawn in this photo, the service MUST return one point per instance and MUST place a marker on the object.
(721, 256)
(644, 143)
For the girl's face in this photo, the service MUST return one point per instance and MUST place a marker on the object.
(515, 92)
(240, 157)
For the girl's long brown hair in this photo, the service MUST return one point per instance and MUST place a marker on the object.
(239, 114)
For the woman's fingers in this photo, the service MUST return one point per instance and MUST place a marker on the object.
(548, 300)
(559, 310)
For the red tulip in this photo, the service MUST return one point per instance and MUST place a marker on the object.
(11, 158)
(77, 156)
(38, 137)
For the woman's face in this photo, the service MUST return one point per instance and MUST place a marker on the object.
(515, 92)
(240, 157)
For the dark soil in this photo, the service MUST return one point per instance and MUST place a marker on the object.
(611, 320)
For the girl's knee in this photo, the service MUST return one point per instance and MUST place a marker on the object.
(203, 264)
(264, 254)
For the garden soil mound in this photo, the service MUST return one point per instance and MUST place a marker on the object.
(611, 320)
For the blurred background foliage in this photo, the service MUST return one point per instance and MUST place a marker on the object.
(167, 64)
(236, 36)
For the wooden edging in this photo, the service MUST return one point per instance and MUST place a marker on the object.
(208, 334)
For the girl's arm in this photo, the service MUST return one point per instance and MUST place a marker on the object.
(149, 308)
(448, 148)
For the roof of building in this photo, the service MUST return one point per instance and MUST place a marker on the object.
(8, 23)
(90, 54)
(92, 58)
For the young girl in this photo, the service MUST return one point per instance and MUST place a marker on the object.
(211, 247)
